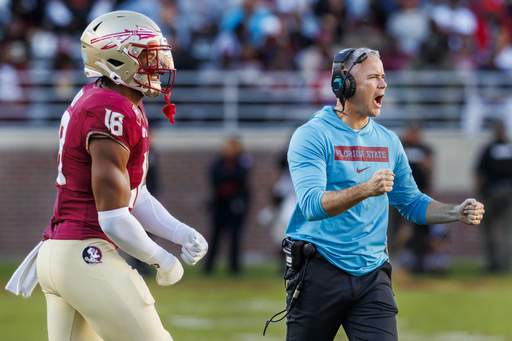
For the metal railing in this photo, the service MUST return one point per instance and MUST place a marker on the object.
(254, 99)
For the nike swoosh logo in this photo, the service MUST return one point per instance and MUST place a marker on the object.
(361, 170)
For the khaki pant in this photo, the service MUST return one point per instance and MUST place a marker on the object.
(96, 295)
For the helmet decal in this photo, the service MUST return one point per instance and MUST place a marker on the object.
(142, 32)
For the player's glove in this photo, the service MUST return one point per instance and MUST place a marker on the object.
(194, 246)
(169, 275)
(156, 219)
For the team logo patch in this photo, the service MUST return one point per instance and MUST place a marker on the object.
(92, 255)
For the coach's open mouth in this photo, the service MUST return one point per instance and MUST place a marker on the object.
(378, 100)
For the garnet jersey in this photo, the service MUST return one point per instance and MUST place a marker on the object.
(94, 111)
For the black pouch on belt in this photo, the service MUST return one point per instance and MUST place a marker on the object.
(297, 251)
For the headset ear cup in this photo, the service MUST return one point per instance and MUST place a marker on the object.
(336, 85)
(349, 85)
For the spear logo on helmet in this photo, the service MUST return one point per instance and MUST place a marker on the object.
(142, 32)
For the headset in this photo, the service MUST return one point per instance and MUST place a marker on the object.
(342, 82)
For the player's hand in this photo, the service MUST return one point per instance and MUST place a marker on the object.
(194, 247)
(381, 182)
(170, 276)
(471, 212)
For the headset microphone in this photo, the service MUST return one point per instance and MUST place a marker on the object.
(361, 58)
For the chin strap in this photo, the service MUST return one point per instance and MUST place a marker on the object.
(170, 109)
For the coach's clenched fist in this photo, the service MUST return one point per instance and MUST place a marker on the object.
(471, 212)
(381, 182)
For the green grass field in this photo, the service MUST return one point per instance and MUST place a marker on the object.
(462, 306)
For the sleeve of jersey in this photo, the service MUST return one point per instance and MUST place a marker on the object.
(307, 164)
(406, 196)
(118, 122)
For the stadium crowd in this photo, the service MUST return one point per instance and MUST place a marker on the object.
(272, 34)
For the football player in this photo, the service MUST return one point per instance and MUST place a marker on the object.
(102, 200)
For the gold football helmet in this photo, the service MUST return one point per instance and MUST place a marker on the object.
(129, 48)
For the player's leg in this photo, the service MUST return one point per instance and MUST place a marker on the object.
(490, 235)
(111, 296)
(373, 316)
(502, 217)
(64, 322)
(218, 222)
(236, 225)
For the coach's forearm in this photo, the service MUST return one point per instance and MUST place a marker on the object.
(439, 213)
(337, 202)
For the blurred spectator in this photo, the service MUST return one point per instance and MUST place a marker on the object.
(409, 26)
(492, 20)
(5, 16)
(229, 177)
(12, 97)
(16, 44)
(503, 58)
(68, 16)
(13, 61)
(456, 20)
(434, 53)
(64, 80)
(420, 248)
(494, 182)
(338, 12)
(369, 32)
(316, 56)
(10, 89)
(288, 35)
(278, 211)
(256, 18)
(282, 34)
(150, 8)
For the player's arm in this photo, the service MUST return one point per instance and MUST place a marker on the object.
(156, 219)
(109, 176)
(470, 212)
(337, 202)
(111, 188)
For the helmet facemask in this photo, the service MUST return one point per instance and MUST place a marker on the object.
(155, 73)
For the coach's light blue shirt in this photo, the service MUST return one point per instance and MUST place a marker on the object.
(325, 154)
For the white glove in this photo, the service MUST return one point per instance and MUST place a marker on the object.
(194, 246)
(157, 220)
(170, 276)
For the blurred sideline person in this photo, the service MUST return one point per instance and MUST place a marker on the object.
(420, 248)
(346, 169)
(229, 180)
(282, 201)
(494, 183)
(102, 200)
